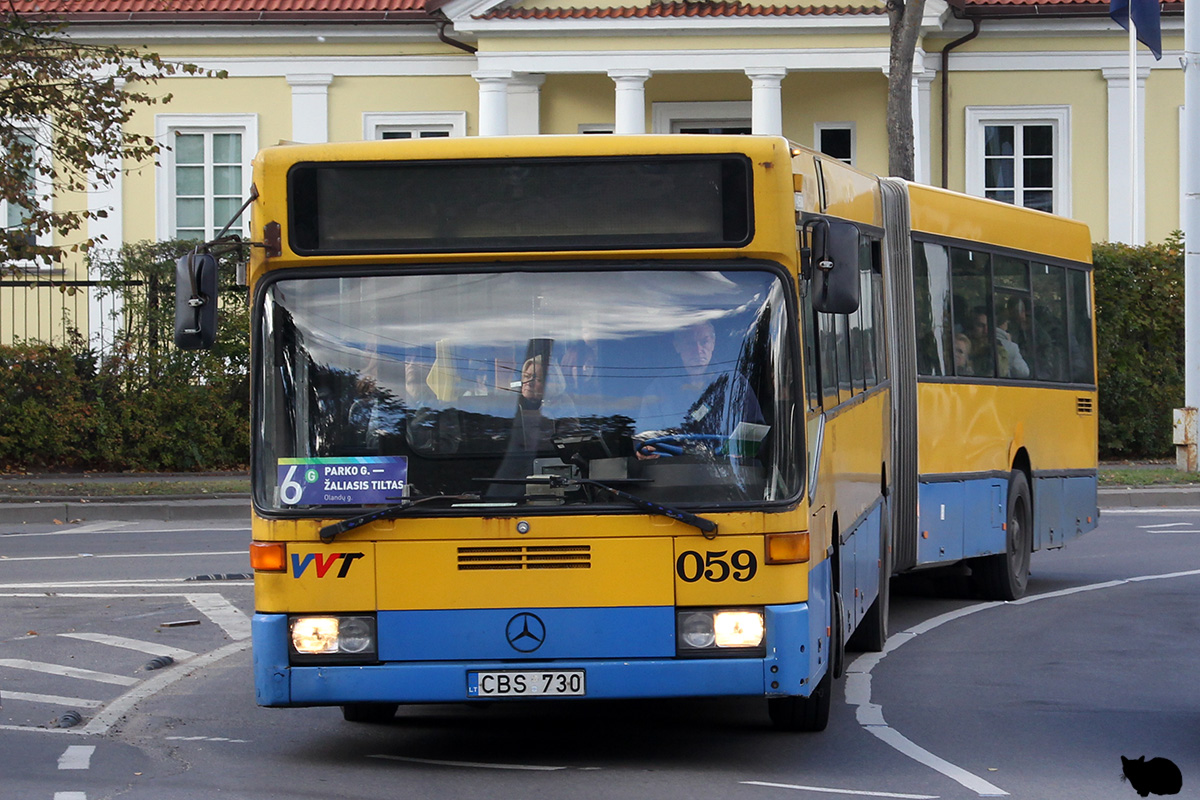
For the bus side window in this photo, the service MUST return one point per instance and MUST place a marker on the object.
(881, 367)
(841, 324)
(866, 314)
(1080, 326)
(931, 294)
(973, 312)
(829, 360)
(811, 340)
(1050, 323)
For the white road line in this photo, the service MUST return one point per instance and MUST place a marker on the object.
(100, 527)
(1119, 511)
(1165, 525)
(79, 556)
(70, 796)
(53, 699)
(827, 790)
(471, 764)
(68, 672)
(870, 715)
(151, 648)
(77, 756)
(224, 613)
(105, 719)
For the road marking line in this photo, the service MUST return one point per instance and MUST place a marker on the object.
(870, 715)
(104, 720)
(70, 796)
(224, 613)
(69, 672)
(472, 764)
(152, 648)
(53, 699)
(827, 790)
(1117, 511)
(79, 556)
(1165, 525)
(77, 756)
(95, 528)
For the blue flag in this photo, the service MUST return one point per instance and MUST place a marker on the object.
(1145, 18)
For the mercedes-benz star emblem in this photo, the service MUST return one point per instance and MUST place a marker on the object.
(525, 632)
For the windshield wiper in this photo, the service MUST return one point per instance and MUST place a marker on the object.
(330, 532)
(706, 526)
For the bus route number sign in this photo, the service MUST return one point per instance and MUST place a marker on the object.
(363, 480)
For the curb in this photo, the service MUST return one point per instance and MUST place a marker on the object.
(1149, 497)
(171, 509)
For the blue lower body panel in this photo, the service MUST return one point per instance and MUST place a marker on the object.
(796, 646)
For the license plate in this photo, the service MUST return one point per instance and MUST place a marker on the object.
(541, 683)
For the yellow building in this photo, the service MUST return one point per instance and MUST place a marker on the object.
(1022, 100)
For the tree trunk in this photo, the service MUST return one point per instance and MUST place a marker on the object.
(905, 21)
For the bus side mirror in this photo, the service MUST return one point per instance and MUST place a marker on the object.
(196, 301)
(834, 267)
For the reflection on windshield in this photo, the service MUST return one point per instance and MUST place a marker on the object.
(383, 387)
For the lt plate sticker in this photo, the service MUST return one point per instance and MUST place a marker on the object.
(342, 481)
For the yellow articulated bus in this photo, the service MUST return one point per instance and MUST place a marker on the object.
(633, 417)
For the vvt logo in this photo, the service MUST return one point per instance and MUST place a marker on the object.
(323, 563)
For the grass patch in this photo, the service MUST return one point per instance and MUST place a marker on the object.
(1146, 475)
(124, 488)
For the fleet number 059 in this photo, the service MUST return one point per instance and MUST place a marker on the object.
(716, 566)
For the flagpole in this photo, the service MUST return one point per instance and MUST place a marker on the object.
(1134, 182)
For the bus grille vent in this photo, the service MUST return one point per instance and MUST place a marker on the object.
(525, 557)
(1084, 406)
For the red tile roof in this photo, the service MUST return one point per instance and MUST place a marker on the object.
(226, 9)
(730, 8)
(418, 10)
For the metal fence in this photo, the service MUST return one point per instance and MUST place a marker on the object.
(52, 311)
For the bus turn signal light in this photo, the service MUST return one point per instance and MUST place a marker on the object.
(268, 556)
(787, 548)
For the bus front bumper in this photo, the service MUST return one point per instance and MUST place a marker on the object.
(795, 659)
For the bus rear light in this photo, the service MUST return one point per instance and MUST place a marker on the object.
(268, 556)
(787, 548)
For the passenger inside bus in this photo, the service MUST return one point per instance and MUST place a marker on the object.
(706, 400)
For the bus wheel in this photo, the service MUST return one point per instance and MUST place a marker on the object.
(808, 714)
(369, 712)
(1005, 576)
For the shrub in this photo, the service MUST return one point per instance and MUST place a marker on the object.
(1140, 346)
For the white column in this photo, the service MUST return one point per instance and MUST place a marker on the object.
(524, 105)
(631, 99)
(493, 101)
(310, 107)
(922, 126)
(766, 100)
(1125, 223)
(104, 313)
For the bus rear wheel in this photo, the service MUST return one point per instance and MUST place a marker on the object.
(1005, 576)
(808, 714)
(376, 713)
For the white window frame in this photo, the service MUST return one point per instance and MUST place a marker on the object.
(670, 117)
(1058, 117)
(376, 123)
(166, 126)
(39, 131)
(821, 127)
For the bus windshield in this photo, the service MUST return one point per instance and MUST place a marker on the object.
(677, 385)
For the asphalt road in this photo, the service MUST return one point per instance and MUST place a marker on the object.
(1036, 699)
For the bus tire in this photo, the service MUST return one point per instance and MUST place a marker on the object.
(805, 714)
(1005, 576)
(872, 632)
(374, 713)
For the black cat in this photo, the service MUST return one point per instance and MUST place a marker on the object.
(1158, 775)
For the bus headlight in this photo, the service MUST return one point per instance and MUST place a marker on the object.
(333, 638)
(720, 631)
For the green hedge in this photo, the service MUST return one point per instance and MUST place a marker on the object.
(1139, 331)
(146, 405)
(142, 405)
